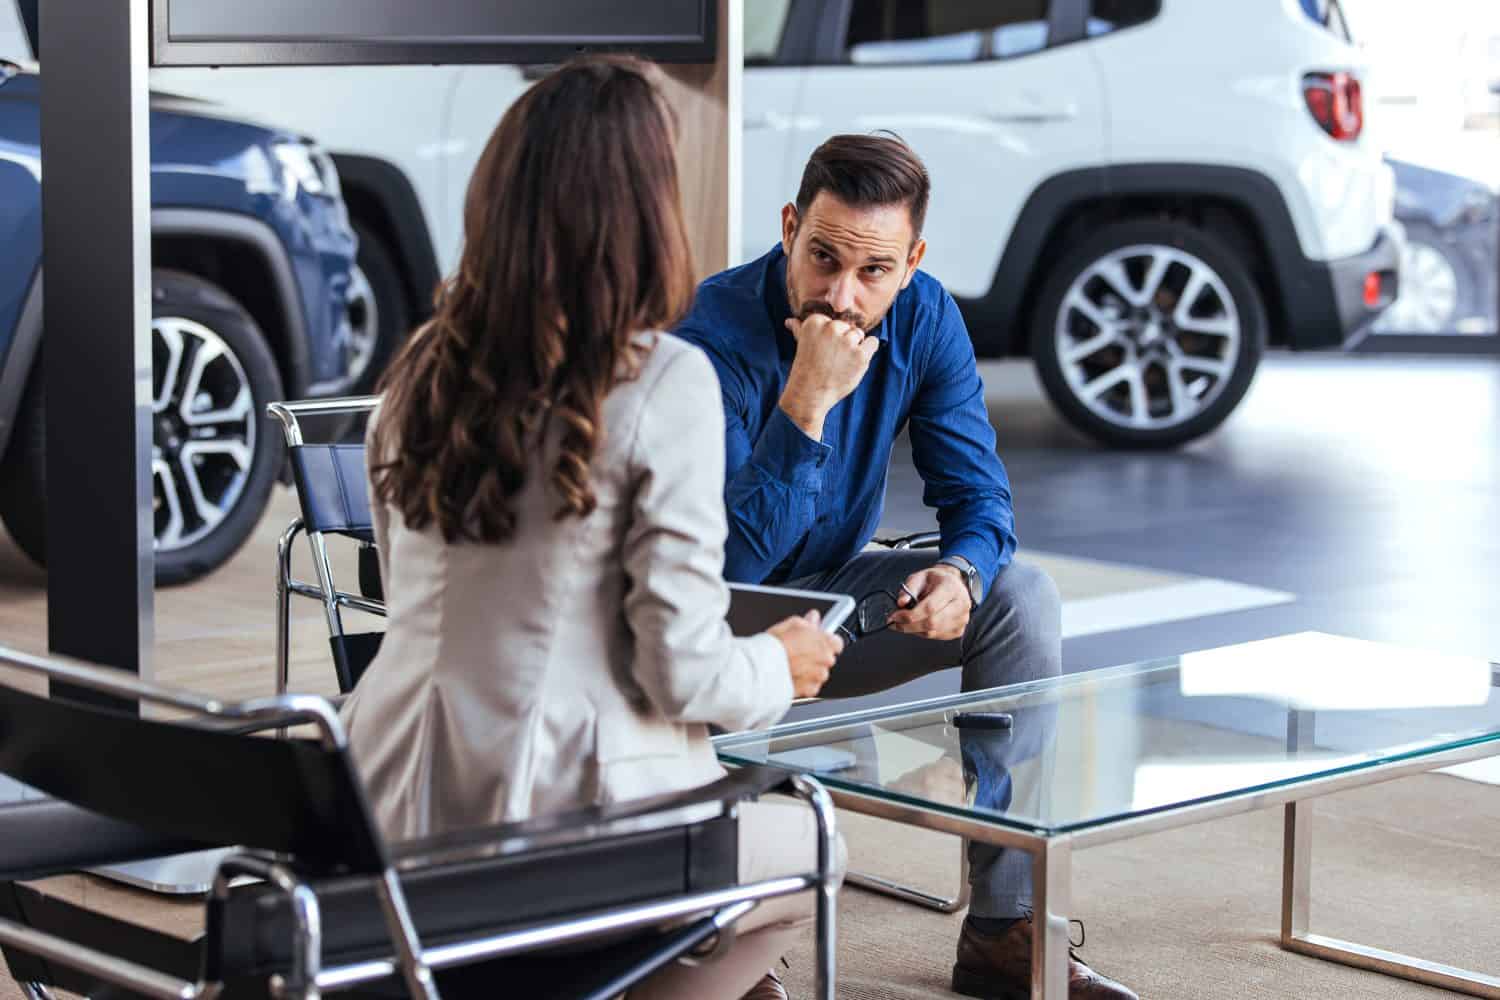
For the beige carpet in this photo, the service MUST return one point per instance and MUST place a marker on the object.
(1193, 914)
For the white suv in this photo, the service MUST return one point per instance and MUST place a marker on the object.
(1140, 194)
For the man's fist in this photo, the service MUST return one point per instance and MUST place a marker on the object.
(832, 358)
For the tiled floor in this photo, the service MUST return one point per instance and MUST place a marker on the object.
(1367, 487)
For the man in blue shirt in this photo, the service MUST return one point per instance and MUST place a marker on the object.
(826, 349)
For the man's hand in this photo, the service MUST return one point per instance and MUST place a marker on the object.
(942, 608)
(832, 358)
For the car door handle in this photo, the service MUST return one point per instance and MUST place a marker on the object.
(1032, 115)
(768, 120)
(763, 120)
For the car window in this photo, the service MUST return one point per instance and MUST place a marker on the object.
(1113, 15)
(765, 23)
(942, 31)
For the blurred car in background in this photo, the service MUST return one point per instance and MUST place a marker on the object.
(1450, 276)
(1140, 195)
(254, 297)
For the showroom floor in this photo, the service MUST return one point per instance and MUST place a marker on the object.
(1351, 495)
(1366, 488)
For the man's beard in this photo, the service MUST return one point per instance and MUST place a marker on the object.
(820, 308)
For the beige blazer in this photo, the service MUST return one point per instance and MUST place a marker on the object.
(582, 662)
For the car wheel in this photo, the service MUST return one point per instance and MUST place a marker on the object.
(213, 458)
(1435, 286)
(1148, 334)
(379, 314)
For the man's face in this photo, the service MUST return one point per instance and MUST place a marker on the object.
(846, 262)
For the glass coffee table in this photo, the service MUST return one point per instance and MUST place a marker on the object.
(1055, 766)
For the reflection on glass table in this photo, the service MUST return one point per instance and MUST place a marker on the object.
(1094, 748)
(1106, 755)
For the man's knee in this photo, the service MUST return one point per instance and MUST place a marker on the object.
(1031, 595)
(1017, 632)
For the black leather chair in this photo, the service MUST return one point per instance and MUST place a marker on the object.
(333, 494)
(624, 889)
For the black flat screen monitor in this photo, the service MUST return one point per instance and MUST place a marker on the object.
(372, 32)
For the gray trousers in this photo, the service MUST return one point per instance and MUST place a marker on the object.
(1014, 635)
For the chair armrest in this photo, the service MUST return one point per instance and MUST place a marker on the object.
(920, 540)
(695, 805)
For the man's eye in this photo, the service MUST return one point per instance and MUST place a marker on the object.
(876, 271)
(821, 257)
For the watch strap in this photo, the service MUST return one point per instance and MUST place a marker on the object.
(970, 574)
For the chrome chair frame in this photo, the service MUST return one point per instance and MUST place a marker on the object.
(326, 592)
(308, 978)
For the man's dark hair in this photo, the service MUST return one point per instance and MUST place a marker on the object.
(866, 171)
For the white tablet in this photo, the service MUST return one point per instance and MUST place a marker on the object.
(753, 608)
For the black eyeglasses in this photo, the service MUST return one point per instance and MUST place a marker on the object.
(873, 613)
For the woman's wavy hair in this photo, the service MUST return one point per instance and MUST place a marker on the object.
(574, 246)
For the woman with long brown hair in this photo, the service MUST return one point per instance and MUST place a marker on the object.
(546, 472)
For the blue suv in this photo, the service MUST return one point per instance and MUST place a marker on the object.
(255, 297)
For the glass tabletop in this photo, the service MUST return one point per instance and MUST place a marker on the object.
(1090, 749)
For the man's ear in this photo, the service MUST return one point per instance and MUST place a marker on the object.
(789, 220)
(913, 261)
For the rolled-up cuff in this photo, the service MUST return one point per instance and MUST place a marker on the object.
(980, 554)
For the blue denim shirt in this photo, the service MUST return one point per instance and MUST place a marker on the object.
(798, 506)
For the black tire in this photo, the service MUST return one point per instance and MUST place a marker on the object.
(392, 305)
(182, 296)
(1220, 258)
(21, 484)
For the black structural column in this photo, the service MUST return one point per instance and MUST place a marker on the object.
(96, 233)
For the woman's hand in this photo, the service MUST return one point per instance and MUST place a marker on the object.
(810, 652)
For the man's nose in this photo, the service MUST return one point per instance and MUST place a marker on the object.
(841, 295)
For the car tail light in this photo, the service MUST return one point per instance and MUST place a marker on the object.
(1336, 103)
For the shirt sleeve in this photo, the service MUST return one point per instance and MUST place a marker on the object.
(772, 482)
(953, 447)
(686, 660)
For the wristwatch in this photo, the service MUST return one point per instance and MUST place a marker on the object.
(970, 574)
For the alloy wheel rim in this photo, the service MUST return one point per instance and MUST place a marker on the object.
(1148, 337)
(362, 324)
(203, 431)
(1428, 298)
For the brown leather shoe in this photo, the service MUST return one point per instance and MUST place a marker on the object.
(998, 967)
(769, 988)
